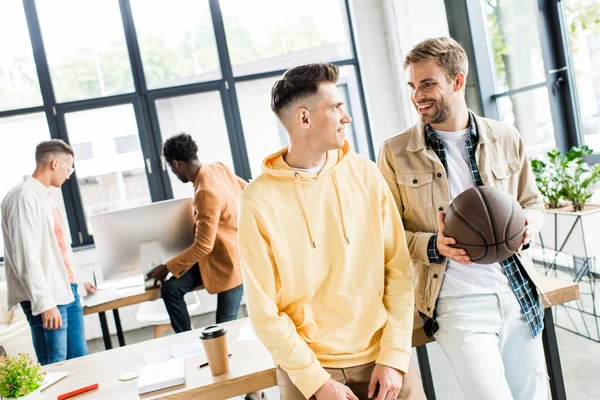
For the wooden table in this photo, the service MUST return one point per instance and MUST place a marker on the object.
(251, 365)
(148, 295)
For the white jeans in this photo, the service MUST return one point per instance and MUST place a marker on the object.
(490, 347)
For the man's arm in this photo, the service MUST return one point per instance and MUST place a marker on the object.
(398, 295)
(275, 330)
(421, 245)
(25, 229)
(208, 203)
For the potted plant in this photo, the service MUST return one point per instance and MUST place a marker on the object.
(20, 378)
(571, 226)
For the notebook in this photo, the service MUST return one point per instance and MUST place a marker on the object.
(161, 375)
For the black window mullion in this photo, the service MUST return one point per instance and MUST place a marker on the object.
(560, 74)
(359, 81)
(158, 181)
(70, 189)
(231, 106)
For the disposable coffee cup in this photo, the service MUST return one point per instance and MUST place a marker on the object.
(214, 341)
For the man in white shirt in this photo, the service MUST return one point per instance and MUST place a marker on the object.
(38, 258)
(487, 318)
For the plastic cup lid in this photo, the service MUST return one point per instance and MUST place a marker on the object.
(212, 332)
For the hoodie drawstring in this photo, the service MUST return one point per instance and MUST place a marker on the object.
(337, 192)
(310, 234)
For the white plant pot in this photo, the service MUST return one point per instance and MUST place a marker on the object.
(573, 233)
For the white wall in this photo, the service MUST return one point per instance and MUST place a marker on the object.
(385, 32)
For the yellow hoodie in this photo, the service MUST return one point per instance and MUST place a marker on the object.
(326, 268)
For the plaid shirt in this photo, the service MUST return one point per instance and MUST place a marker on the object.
(530, 303)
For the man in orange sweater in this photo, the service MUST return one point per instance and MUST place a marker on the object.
(212, 260)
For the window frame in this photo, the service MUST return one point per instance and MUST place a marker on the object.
(466, 20)
(143, 101)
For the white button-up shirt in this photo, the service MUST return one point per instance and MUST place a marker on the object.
(35, 269)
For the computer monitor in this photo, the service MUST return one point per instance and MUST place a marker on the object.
(133, 241)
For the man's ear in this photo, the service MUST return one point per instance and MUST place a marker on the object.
(460, 80)
(303, 118)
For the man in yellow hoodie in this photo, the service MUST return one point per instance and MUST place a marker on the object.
(325, 261)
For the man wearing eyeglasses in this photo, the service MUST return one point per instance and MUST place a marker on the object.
(39, 271)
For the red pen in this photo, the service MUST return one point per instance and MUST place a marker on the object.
(78, 391)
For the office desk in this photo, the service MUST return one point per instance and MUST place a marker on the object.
(251, 365)
(148, 295)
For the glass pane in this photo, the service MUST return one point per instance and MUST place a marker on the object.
(265, 135)
(201, 116)
(530, 113)
(109, 179)
(513, 37)
(19, 85)
(260, 41)
(20, 136)
(177, 42)
(583, 23)
(86, 48)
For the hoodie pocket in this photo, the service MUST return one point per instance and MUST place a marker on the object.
(346, 324)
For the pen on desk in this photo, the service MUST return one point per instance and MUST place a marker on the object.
(77, 392)
(206, 363)
(95, 284)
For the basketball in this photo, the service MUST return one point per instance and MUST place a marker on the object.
(488, 223)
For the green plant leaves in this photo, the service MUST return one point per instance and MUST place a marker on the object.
(566, 176)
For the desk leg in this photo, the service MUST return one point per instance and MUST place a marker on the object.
(425, 370)
(105, 332)
(557, 383)
(119, 329)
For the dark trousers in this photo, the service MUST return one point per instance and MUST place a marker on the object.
(173, 290)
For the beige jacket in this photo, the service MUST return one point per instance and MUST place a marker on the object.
(418, 181)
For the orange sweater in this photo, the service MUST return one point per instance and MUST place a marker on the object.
(216, 192)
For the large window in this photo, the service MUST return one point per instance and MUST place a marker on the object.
(114, 178)
(583, 27)
(519, 71)
(19, 85)
(177, 41)
(201, 116)
(86, 49)
(538, 68)
(288, 36)
(116, 78)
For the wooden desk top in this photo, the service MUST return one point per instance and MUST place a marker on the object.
(251, 365)
(148, 295)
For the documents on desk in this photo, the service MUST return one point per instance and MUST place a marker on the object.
(115, 289)
(191, 348)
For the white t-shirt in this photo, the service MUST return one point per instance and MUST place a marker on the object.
(313, 170)
(461, 279)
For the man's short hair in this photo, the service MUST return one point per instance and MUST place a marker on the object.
(299, 83)
(448, 53)
(46, 151)
(180, 148)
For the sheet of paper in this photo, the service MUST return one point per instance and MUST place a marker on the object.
(52, 377)
(106, 294)
(246, 334)
(154, 356)
(191, 348)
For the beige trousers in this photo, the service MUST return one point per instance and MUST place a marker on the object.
(357, 379)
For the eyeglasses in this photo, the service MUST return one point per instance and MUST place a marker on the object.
(70, 169)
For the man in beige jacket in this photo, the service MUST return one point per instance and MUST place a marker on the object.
(486, 318)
